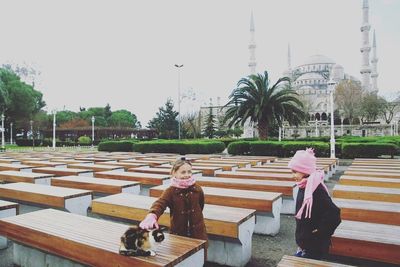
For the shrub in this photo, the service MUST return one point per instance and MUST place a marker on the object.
(239, 148)
(321, 149)
(111, 146)
(266, 148)
(180, 147)
(368, 150)
(84, 140)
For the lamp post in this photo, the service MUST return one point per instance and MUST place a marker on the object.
(93, 130)
(280, 137)
(316, 127)
(179, 99)
(331, 86)
(2, 131)
(54, 129)
(33, 139)
(11, 133)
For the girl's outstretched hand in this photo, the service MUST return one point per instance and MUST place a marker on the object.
(150, 222)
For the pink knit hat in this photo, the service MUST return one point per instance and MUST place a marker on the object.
(304, 161)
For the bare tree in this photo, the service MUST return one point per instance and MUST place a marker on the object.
(348, 97)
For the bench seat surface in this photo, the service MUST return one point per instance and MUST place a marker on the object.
(89, 241)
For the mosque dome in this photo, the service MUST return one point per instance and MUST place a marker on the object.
(310, 76)
(318, 59)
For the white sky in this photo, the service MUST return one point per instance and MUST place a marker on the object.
(91, 53)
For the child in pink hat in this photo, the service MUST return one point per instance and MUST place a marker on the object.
(317, 216)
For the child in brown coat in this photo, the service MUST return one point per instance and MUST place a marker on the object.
(185, 200)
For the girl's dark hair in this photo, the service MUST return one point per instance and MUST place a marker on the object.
(180, 162)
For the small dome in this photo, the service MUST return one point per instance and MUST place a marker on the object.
(337, 72)
(318, 59)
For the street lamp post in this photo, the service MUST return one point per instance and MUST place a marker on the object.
(33, 139)
(54, 129)
(93, 130)
(11, 133)
(2, 131)
(331, 86)
(316, 127)
(280, 134)
(179, 99)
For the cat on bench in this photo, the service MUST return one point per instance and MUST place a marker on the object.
(135, 241)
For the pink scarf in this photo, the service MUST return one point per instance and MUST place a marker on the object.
(311, 183)
(182, 183)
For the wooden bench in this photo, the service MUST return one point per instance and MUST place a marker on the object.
(64, 171)
(293, 261)
(27, 177)
(7, 209)
(373, 166)
(366, 173)
(215, 162)
(372, 241)
(206, 170)
(73, 200)
(369, 181)
(263, 159)
(395, 172)
(147, 162)
(71, 161)
(367, 193)
(55, 238)
(369, 211)
(160, 171)
(94, 159)
(124, 165)
(275, 168)
(146, 180)
(239, 174)
(9, 161)
(267, 204)
(230, 229)
(15, 167)
(95, 167)
(98, 185)
(41, 163)
(224, 166)
(287, 189)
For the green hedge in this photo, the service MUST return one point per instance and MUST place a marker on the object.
(239, 148)
(180, 147)
(111, 146)
(368, 150)
(266, 148)
(321, 149)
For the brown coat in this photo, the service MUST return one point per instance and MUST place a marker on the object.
(186, 210)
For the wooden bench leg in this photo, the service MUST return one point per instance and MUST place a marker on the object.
(269, 223)
(4, 214)
(132, 189)
(78, 205)
(31, 257)
(232, 252)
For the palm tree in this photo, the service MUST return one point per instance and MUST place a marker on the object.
(254, 100)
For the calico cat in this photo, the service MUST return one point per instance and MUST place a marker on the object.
(135, 241)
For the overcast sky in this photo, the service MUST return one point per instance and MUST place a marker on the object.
(91, 53)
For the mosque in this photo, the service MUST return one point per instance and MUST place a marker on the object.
(310, 78)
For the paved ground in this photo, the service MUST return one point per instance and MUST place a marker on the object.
(267, 250)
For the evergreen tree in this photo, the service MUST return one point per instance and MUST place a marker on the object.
(165, 121)
(209, 130)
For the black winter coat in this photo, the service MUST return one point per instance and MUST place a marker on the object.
(325, 217)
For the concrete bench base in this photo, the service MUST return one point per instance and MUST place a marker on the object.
(30, 257)
(132, 189)
(288, 205)
(145, 188)
(4, 214)
(269, 223)
(232, 252)
(78, 205)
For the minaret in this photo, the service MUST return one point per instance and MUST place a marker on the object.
(288, 71)
(252, 47)
(374, 61)
(365, 49)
